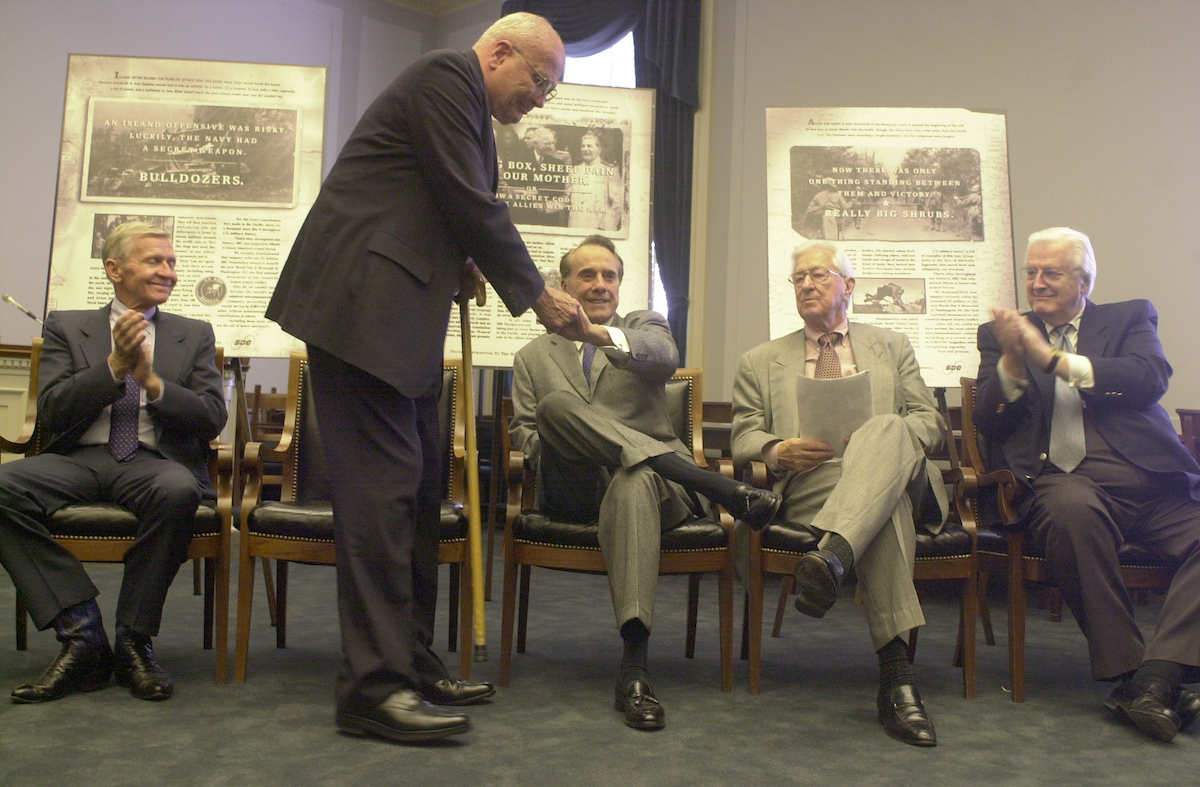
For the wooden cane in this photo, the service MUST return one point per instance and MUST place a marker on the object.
(474, 526)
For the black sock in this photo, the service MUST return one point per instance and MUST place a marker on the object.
(894, 669)
(840, 547)
(81, 621)
(636, 658)
(714, 486)
(1159, 668)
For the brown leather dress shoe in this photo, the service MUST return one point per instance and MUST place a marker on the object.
(642, 711)
(458, 692)
(402, 717)
(78, 667)
(137, 670)
(904, 718)
(1157, 709)
(818, 575)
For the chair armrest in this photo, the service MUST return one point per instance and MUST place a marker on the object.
(722, 466)
(756, 474)
(252, 471)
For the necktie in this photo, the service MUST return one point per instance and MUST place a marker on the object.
(589, 355)
(1067, 443)
(123, 428)
(829, 365)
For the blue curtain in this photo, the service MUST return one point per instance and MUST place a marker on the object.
(666, 40)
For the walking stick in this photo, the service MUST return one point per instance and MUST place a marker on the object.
(474, 527)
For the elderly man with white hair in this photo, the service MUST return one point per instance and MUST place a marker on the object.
(862, 505)
(1068, 399)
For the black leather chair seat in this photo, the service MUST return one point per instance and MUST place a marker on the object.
(534, 527)
(1131, 555)
(951, 541)
(781, 538)
(108, 520)
(314, 521)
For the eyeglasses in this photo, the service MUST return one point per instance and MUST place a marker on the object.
(543, 85)
(819, 276)
(1050, 275)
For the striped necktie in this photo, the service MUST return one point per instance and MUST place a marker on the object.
(589, 355)
(1067, 444)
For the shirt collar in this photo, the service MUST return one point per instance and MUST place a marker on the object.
(1073, 322)
(843, 328)
(117, 309)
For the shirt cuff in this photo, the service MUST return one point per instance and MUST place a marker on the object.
(1079, 371)
(770, 455)
(1011, 386)
(619, 340)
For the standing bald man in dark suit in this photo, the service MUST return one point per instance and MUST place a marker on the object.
(368, 287)
(1068, 400)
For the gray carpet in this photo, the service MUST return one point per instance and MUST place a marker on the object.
(815, 719)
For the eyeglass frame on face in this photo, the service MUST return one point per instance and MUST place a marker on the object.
(1049, 275)
(540, 83)
(815, 274)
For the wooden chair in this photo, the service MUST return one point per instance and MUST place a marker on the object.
(101, 533)
(1005, 550)
(949, 554)
(533, 539)
(300, 527)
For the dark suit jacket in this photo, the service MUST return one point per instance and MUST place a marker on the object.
(75, 384)
(1121, 341)
(412, 195)
(628, 388)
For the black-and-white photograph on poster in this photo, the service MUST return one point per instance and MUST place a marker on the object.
(894, 194)
(225, 157)
(918, 199)
(560, 176)
(174, 152)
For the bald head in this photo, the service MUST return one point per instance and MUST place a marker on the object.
(522, 58)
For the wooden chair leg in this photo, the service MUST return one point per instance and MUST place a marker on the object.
(1055, 604)
(755, 615)
(281, 580)
(269, 584)
(465, 596)
(966, 632)
(785, 590)
(523, 608)
(1016, 620)
(221, 612)
(989, 636)
(508, 614)
(725, 606)
(693, 608)
(197, 587)
(22, 626)
(452, 613)
(210, 588)
(246, 566)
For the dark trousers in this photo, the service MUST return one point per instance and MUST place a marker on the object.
(1083, 518)
(385, 476)
(163, 494)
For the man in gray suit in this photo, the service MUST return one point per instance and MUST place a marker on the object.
(592, 416)
(129, 397)
(862, 506)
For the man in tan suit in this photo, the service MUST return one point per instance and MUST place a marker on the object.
(592, 415)
(861, 505)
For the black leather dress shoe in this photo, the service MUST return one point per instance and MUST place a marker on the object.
(904, 718)
(457, 692)
(1154, 709)
(1187, 707)
(818, 575)
(641, 709)
(137, 670)
(403, 717)
(756, 507)
(78, 667)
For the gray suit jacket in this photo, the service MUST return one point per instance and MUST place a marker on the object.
(764, 398)
(627, 388)
(75, 384)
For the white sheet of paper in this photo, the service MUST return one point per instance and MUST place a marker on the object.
(830, 410)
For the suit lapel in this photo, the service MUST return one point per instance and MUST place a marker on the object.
(566, 357)
(1092, 338)
(97, 337)
(784, 369)
(869, 356)
(169, 351)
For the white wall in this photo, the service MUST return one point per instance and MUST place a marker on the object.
(1101, 101)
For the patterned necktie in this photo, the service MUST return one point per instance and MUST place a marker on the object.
(589, 355)
(1067, 444)
(829, 365)
(123, 429)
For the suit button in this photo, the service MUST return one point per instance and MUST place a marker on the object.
(1042, 457)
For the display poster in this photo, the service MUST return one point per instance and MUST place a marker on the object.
(579, 166)
(919, 200)
(226, 157)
